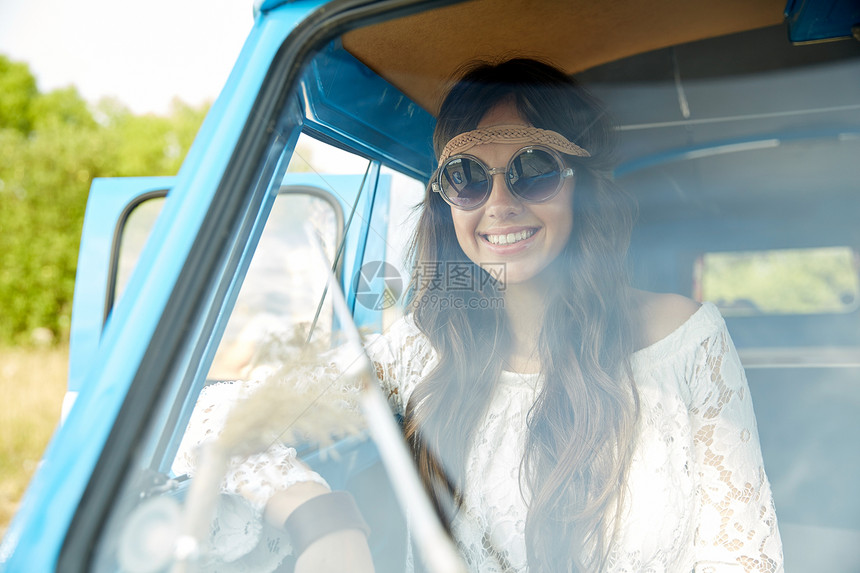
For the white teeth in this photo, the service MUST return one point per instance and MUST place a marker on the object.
(510, 237)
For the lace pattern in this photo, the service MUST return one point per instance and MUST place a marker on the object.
(735, 505)
(240, 540)
(698, 496)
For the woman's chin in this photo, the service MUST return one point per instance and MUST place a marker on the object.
(515, 275)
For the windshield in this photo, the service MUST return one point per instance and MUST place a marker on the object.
(567, 298)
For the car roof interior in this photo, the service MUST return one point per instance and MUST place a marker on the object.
(420, 53)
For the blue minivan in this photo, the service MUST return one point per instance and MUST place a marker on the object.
(739, 131)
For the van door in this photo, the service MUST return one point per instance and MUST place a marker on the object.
(121, 213)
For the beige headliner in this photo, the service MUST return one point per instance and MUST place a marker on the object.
(419, 53)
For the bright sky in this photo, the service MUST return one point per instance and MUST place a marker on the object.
(143, 53)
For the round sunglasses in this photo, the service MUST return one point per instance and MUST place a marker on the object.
(534, 174)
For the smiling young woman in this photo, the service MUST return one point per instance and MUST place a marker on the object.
(566, 430)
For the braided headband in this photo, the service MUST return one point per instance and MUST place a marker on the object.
(510, 134)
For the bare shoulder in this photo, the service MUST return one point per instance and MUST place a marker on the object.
(660, 314)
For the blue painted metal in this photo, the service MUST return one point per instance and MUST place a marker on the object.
(376, 244)
(384, 123)
(35, 537)
(357, 236)
(821, 20)
(107, 200)
(261, 6)
(234, 286)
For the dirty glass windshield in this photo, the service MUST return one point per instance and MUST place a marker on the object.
(597, 402)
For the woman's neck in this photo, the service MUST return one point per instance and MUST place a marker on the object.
(524, 306)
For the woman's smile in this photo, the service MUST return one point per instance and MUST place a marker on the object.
(506, 240)
(525, 237)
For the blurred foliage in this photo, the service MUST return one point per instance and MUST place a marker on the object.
(783, 281)
(51, 146)
(17, 91)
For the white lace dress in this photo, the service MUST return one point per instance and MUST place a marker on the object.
(698, 498)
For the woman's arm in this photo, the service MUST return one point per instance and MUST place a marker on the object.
(341, 551)
(275, 482)
(736, 527)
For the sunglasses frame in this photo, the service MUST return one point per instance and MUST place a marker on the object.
(564, 171)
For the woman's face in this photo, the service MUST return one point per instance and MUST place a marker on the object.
(545, 227)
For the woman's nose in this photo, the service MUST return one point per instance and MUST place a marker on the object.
(501, 202)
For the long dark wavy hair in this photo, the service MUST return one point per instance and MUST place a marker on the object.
(581, 428)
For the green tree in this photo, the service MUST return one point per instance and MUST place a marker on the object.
(51, 147)
(149, 144)
(61, 107)
(17, 90)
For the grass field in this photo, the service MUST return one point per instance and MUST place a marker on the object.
(32, 384)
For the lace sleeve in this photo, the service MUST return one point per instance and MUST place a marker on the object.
(240, 539)
(402, 357)
(255, 477)
(736, 527)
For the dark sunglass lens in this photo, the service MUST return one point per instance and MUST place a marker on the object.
(534, 175)
(464, 182)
